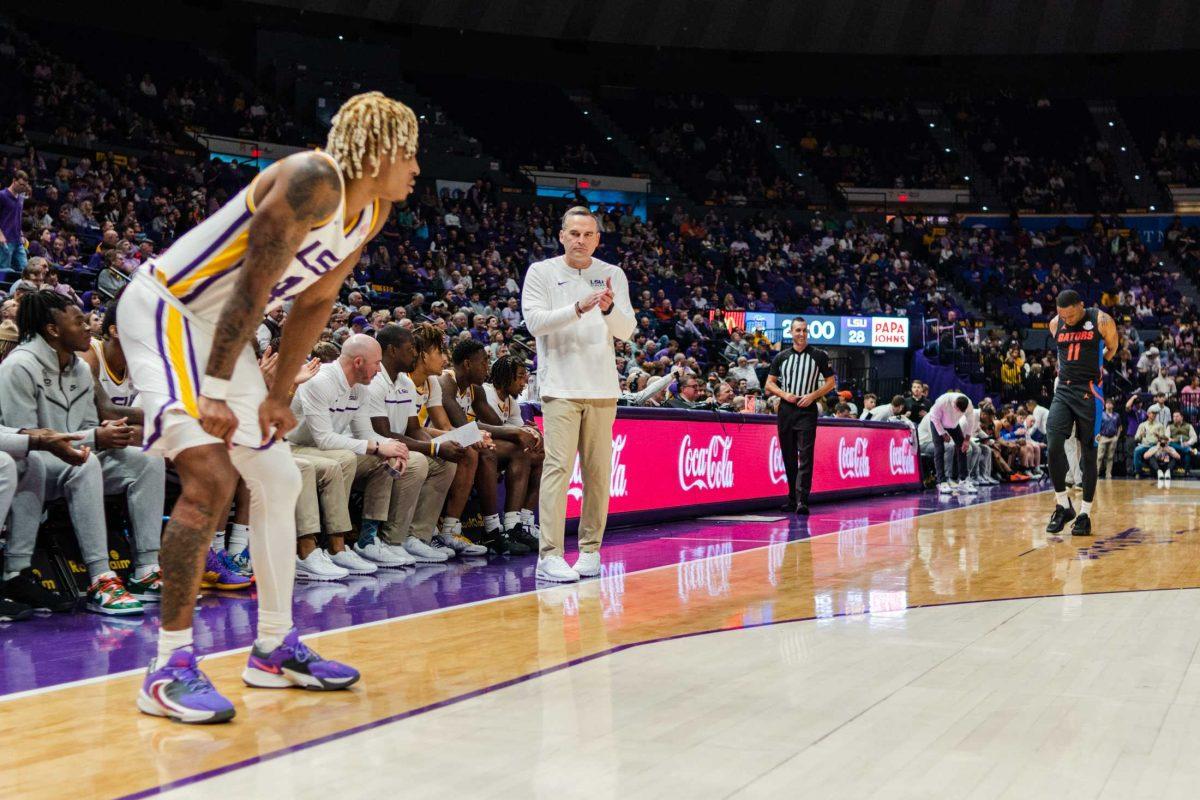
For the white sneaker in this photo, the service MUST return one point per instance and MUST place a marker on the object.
(318, 567)
(554, 568)
(459, 543)
(587, 565)
(1160, 482)
(381, 555)
(968, 487)
(441, 545)
(353, 563)
(946, 488)
(423, 553)
(399, 553)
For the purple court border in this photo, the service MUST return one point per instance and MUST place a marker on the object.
(366, 726)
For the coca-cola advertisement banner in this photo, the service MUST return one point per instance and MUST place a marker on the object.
(699, 459)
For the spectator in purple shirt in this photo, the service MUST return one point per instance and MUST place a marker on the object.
(479, 332)
(12, 203)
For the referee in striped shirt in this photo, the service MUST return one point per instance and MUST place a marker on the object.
(800, 376)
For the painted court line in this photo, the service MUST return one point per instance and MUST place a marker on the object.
(400, 717)
(113, 676)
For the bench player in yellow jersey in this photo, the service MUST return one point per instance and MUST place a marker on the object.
(186, 322)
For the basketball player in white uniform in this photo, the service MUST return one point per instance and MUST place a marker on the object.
(109, 368)
(186, 322)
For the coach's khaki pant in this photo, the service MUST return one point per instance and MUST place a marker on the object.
(324, 476)
(422, 493)
(583, 426)
(378, 493)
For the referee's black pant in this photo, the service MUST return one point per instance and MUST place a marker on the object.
(797, 437)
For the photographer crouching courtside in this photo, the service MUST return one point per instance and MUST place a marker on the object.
(575, 305)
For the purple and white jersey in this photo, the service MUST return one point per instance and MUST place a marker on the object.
(201, 269)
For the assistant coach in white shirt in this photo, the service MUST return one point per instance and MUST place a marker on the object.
(576, 305)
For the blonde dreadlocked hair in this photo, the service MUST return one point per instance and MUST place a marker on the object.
(371, 125)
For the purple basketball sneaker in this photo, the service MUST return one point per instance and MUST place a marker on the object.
(179, 690)
(293, 664)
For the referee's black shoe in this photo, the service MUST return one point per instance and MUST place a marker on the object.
(802, 510)
(1059, 519)
(1082, 526)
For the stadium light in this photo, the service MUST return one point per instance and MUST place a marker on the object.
(1152, 208)
(1137, 177)
(608, 138)
(1122, 148)
(757, 121)
(931, 124)
(585, 113)
(966, 177)
(985, 208)
(341, 38)
(778, 147)
(800, 174)
(668, 197)
(947, 149)
(1111, 123)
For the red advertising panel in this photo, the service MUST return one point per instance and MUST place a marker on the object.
(681, 462)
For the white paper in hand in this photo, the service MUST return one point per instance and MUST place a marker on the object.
(465, 436)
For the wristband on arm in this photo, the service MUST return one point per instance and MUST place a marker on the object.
(214, 388)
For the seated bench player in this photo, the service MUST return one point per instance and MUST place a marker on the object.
(465, 401)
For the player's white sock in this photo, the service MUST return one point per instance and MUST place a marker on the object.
(491, 522)
(141, 572)
(511, 519)
(1061, 499)
(170, 641)
(449, 524)
(526, 517)
(239, 538)
(218, 544)
(1085, 507)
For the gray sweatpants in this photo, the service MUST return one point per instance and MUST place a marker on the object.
(979, 461)
(129, 471)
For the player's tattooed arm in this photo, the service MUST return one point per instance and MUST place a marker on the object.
(1112, 339)
(304, 193)
(1054, 325)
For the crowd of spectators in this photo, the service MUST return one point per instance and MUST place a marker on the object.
(873, 143)
(1043, 154)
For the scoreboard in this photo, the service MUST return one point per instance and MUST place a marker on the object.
(873, 332)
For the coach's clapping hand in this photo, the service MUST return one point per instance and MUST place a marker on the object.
(591, 301)
(606, 297)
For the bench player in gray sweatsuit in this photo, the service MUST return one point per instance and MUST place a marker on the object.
(45, 384)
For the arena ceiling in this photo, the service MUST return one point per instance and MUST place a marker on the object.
(868, 27)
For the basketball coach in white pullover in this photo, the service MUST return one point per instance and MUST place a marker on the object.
(575, 305)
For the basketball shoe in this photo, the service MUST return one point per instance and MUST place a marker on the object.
(221, 573)
(108, 595)
(1061, 516)
(180, 691)
(294, 664)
